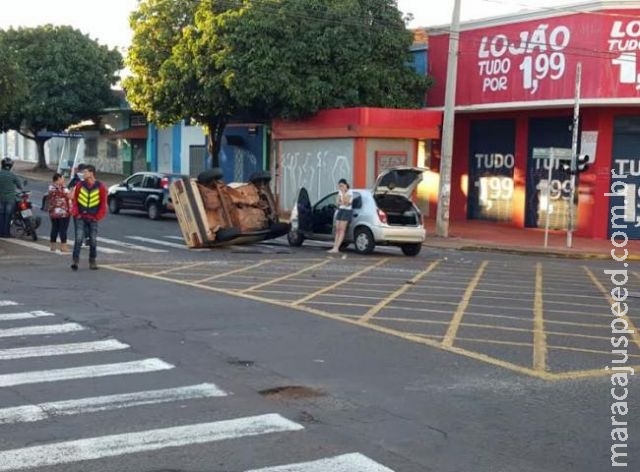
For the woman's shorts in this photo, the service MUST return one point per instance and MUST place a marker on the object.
(344, 215)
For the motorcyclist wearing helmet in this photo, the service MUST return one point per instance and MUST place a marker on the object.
(9, 184)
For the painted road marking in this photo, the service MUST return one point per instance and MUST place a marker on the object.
(30, 245)
(43, 411)
(464, 303)
(158, 242)
(231, 272)
(40, 330)
(151, 440)
(127, 245)
(340, 282)
(8, 303)
(62, 349)
(25, 315)
(285, 277)
(607, 295)
(89, 371)
(407, 285)
(539, 336)
(344, 463)
(179, 268)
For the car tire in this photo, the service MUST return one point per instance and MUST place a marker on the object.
(208, 177)
(153, 210)
(114, 206)
(262, 176)
(279, 229)
(363, 240)
(295, 238)
(411, 249)
(227, 234)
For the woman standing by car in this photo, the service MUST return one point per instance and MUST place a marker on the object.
(59, 212)
(343, 216)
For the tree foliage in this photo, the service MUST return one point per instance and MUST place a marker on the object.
(210, 60)
(12, 83)
(68, 79)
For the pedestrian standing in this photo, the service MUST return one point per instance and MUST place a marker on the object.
(59, 207)
(343, 216)
(88, 206)
(9, 184)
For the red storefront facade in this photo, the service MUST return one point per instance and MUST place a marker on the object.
(515, 93)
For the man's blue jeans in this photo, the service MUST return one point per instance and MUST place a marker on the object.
(6, 212)
(86, 229)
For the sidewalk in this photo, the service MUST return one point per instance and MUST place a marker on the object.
(27, 170)
(489, 236)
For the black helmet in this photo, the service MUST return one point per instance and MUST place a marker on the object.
(7, 163)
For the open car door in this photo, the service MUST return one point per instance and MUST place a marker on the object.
(305, 215)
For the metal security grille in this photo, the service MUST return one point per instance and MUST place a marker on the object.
(197, 160)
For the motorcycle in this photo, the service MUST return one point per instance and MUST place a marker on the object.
(24, 223)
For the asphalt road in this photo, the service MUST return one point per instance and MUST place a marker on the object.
(250, 357)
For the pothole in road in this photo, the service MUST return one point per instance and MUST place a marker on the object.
(291, 392)
(241, 363)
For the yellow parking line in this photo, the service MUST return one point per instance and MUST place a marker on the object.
(285, 277)
(466, 298)
(539, 336)
(340, 282)
(384, 302)
(236, 271)
(634, 332)
(175, 269)
(581, 374)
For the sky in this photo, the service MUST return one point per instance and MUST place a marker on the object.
(107, 21)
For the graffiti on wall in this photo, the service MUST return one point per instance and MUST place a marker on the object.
(318, 171)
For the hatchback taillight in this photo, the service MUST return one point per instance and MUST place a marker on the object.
(164, 183)
(23, 205)
(383, 216)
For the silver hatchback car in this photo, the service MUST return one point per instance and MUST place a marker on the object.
(384, 215)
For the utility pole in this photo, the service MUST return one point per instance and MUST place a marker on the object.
(574, 156)
(444, 194)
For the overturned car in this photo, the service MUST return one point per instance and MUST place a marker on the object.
(211, 213)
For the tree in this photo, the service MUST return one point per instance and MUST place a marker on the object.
(210, 60)
(12, 83)
(68, 78)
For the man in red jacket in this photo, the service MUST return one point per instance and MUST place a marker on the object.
(88, 206)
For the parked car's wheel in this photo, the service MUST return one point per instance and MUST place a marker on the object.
(411, 249)
(363, 240)
(114, 206)
(207, 177)
(260, 177)
(153, 210)
(295, 238)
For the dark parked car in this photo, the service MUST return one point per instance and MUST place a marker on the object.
(144, 191)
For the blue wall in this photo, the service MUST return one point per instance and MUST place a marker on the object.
(242, 152)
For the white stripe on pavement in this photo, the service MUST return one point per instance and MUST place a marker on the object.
(344, 463)
(88, 371)
(115, 242)
(31, 245)
(43, 411)
(8, 303)
(151, 440)
(158, 242)
(25, 315)
(177, 238)
(61, 349)
(39, 330)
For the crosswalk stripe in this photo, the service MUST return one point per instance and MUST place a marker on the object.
(8, 303)
(158, 242)
(88, 371)
(40, 330)
(29, 244)
(43, 411)
(25, 315)
(177, 238)
(151, 440)
(344, 463)
(127, 245)
(61, 349)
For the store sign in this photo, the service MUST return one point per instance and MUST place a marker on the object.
(624, 194)
(537, 60)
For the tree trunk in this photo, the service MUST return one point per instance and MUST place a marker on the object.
(215, 130)
(42, 162)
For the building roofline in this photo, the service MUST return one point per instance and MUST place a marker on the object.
(546, 12)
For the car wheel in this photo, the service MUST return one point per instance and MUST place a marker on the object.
(153, 210)
(227, 234)
(260, 177)
(207, 177)
(411, 249)
(295, 238)
(114, 206)
(363, 240)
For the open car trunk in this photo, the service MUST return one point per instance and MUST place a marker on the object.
(399, 210)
